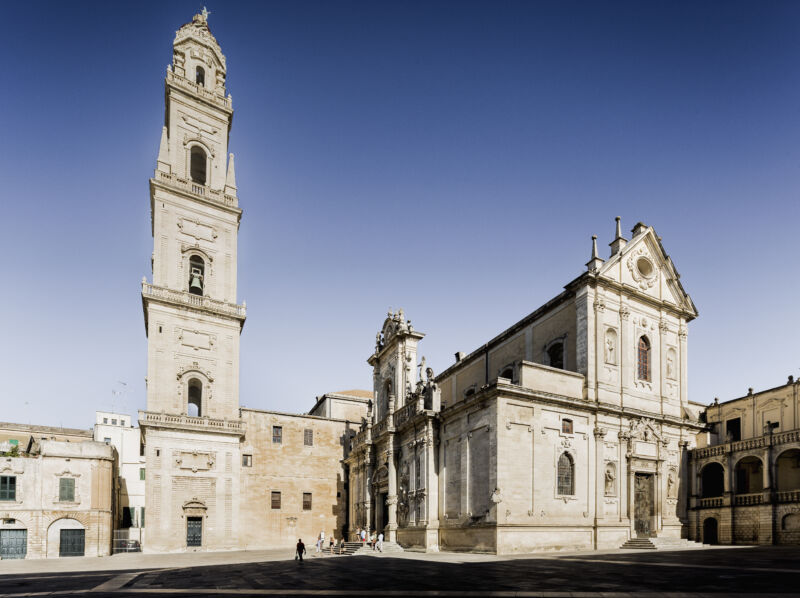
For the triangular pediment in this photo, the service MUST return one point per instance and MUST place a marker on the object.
(644, 266)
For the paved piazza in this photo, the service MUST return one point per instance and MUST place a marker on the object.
(718, 572)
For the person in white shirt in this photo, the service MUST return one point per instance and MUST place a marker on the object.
(380, 541)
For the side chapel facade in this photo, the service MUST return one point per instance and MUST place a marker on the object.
(570, 429)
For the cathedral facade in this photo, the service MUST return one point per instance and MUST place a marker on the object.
(569, 430)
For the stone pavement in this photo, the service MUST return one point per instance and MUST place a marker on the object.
(717, 571)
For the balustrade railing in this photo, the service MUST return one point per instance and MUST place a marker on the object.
(761, 442)
(226, 425)
(204, 191)
(405, 413)
(710, 451)
(750, 443)
(788, 496)
(186, 298)
(711, 502)
(190, 85)
(784, 437)
(749, 499)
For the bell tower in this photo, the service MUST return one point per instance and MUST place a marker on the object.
(191, 427)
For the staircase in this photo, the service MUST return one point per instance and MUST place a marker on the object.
(364, 548)
(661, 544)
(640, 543)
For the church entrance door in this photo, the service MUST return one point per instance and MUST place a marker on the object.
(384, 520)
(644, 504)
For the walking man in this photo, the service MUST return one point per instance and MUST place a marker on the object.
(301, 550)
(380, 541)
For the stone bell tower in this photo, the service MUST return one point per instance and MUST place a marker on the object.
(191, 428)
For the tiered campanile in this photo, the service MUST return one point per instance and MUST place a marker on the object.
(192, 426)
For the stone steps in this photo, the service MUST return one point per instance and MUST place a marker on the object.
(364, 548)
(661, 544)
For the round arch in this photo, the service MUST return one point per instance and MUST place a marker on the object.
(749, 475)
(54, 530)
(787, 470)
(712, 480)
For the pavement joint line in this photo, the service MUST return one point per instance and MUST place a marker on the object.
(117, 582)
(683, 565)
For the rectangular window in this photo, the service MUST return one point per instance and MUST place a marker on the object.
(122, 422)
(306, 501)
(566, 426)
(247, 460)
(107, 440)
(8, 487)
(105, 420)
(308, 437)
(733, 430)
(277, 435)
(276, 500)
(66, 490)
(126, 518)
(141, 473)
(113, 422)
(141, 516)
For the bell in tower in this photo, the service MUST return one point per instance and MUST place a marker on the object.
(196, 270)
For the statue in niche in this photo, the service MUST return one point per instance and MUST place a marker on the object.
(670, 366)
(611, 478)
(672, 486)
(611, 347)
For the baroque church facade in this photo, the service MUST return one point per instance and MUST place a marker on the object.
(571, 429)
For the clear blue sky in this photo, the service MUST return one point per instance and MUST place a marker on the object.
(450, 158)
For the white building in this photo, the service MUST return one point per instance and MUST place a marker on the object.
(117, 430)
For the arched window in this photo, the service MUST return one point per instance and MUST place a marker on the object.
(643, 360)
(566, 475)
(194, 407)
(197, 271)
(200, 76)
(508, 373)
(555, 355)
(197, 165)
(712, 480)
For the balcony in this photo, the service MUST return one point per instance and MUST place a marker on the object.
(226, 103)
(788, 496)
(186, 299)
(205, 192)
(707, 503)
(187, 422)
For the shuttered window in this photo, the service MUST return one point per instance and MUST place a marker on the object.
(66, 490)
(8, 487)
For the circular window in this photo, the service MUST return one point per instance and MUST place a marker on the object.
(645, 267)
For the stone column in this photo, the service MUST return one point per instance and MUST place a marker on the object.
(391, 500)
(368, 490)
(600, 479)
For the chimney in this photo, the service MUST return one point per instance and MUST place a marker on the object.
(459, 356)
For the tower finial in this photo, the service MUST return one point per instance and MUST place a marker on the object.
(162, 162)
(205, 12)
(619, 242)
(594, 263)
(230, 177)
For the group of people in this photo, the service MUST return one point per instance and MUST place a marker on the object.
(375, 540)
(333, 545)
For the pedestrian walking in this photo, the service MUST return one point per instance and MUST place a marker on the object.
(363, 536)
(380, 541)
(332, 543)
(373, 539)
(300, 551)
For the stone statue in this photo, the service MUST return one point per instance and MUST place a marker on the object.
(421, 367)
(671, 484)
(610, 349)
(429, 374)
(670, 368)
(610, 479)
